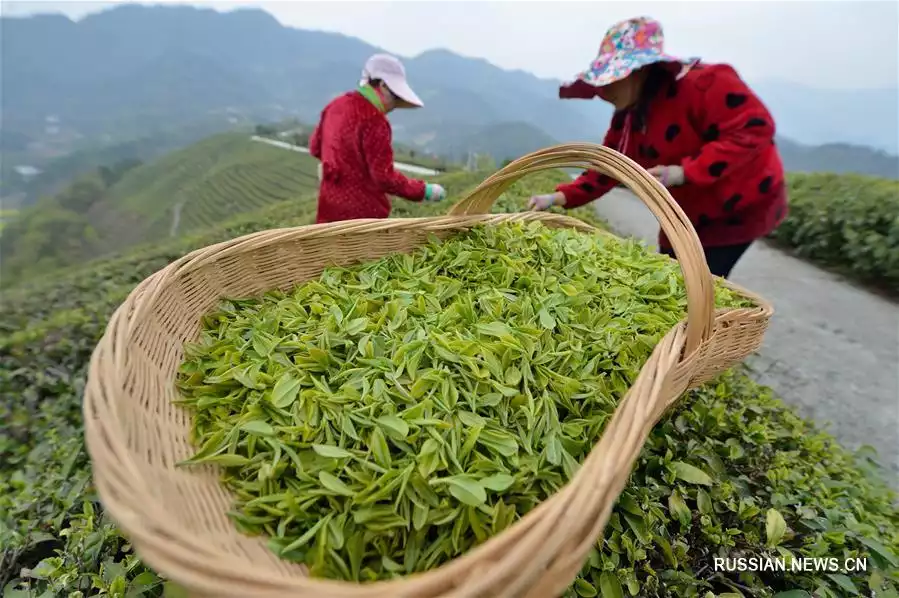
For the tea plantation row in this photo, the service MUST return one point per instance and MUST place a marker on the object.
(846, 222)
(761, 480)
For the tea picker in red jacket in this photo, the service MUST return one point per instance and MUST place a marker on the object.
(697, 128)
(353, 141)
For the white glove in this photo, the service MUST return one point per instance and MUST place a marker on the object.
(669, 176)
(434, 192)
(544, 202)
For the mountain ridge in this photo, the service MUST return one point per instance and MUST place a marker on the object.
(127, 71)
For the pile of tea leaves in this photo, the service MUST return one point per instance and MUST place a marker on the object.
(386, 417)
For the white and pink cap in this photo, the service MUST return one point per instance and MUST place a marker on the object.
(390, 70)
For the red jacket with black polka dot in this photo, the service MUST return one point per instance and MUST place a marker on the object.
(710, 123)
(353, 140)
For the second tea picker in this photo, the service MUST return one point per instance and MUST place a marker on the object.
(353, 142)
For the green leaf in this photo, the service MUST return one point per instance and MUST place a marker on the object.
(638, 526)
(501, 442)
(285, 391)
(690, 474)
(844, 582)
(306, 537)
(494, 329)
(569, 289)
(498, 482)
(609, 586)
(667, 552)
(263, 343)
(584, 588)
(331, 452)
(793, 594)
(546, 319)
(470, 419)
(396, 427)
(145, 580)
(679, 508)
(627, 502)
(512, 376)
(881, 550)
(214, 444)
(775, 527)
(420, 516)
(420, 387)
(703, 502)
(379, 448)
(356, 326)
(259, 428)
(320, 357)
(464, 488)
(334, 484)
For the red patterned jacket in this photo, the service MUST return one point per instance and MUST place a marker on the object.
(353, 141)
(711, 124)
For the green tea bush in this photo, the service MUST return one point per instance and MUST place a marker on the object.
(847, 222)
(707, 483)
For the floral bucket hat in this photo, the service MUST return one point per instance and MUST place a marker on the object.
(627, 46)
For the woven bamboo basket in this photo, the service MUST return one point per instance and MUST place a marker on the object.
(176, 517)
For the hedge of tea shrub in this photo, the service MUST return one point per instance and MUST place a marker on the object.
(731, 471)
(847, 222)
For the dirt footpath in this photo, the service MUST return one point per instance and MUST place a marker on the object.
(832, 349)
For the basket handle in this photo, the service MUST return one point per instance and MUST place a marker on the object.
(684, 240)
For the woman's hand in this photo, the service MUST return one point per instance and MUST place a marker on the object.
(434, 192)
(539, 203)
(669, 176)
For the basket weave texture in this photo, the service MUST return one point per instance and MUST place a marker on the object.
(176, 517)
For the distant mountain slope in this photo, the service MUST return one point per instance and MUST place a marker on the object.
(175, 64)
(838, 158)
(132, 69)
(502, 141)
(867, 117)
(198, 186)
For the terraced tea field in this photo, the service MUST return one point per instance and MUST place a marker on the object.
(200, 186)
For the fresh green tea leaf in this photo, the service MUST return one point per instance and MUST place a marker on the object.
(394, 426)
(331, 452)
(775, 527)
(610, 586)
(334, 484)
(466, 489)
(285, 391)
(690, 474)
(844, 582)
(259, 428)
(498, 482)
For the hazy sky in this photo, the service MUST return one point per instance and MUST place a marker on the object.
(842, 44)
